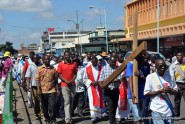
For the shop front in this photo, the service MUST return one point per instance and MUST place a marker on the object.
(172, 45)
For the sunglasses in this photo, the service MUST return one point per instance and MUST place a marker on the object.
(162, 66)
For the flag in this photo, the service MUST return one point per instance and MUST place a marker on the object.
(51, 29)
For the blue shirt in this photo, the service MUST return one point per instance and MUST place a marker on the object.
(144, 70)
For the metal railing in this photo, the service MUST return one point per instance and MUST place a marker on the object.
(8, 100)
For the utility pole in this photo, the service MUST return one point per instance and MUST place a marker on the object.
(106, 33)
(77, 24)
(158, 25)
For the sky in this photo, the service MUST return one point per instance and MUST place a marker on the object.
(24, 21)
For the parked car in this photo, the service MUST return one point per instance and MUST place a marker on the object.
(157, 54)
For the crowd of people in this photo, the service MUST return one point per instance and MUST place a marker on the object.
(59, 85)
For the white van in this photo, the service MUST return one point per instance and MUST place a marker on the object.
(158, 55)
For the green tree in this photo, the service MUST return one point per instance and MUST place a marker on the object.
(8, 46)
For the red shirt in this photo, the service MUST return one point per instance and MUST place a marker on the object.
(67, 71)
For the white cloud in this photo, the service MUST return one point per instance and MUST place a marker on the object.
(43, 7)
(22, 38)
(26, 5)
(1, 19)
(34, 36)
(47, 15)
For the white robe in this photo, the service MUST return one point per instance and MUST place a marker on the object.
(95, 111)
(122, 113)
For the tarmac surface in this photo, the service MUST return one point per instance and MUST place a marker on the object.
(25, 115)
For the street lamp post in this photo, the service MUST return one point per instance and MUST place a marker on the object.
(77, 24)
(106, 33)
(158, 24)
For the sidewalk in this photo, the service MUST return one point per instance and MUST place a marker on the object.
(23, 114)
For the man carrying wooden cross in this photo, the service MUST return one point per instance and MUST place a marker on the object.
(111, 92)
(143, 71)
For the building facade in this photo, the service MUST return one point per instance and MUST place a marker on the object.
(86, 41)
(61, 40)
(97, 40)
(25, 50)
(171, 23)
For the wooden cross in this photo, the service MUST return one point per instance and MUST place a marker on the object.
(136, 52)
(119, 70)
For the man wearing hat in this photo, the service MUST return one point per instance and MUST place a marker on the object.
(6, 66)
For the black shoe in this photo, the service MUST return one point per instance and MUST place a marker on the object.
(94, 120)
(54, 122)
(177, 115)
(80, 115)
(47, 122)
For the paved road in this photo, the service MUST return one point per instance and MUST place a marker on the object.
(25, 115)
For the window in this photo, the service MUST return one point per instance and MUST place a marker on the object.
(175, 7)
(129, 20)
(147, 16)
(171, 8)
(166, 10)
(152, 13)
(180, 5)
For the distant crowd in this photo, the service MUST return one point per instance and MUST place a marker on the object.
(59, 85)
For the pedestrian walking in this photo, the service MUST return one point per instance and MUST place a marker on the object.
(123, 109)
(67, 71)
(7, 64)
(159, 87)
(79, 101)
(91, 81)
(33, 98)
(59, 99)
(139, 109)
(177, 72)
(111, 92)
(26, 64)
(46, 79)
(20, 68)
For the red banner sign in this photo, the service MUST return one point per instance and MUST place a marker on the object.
(51, 29)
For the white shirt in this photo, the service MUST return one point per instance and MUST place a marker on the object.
(31, 72)
(173, 70)
(79, 80)
(157, 103)
(174, 59)
(56, 67)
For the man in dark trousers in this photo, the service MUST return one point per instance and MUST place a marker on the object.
(111, 93)
(46, 79)
(177, 71)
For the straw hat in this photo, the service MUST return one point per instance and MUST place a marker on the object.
(7, 54)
